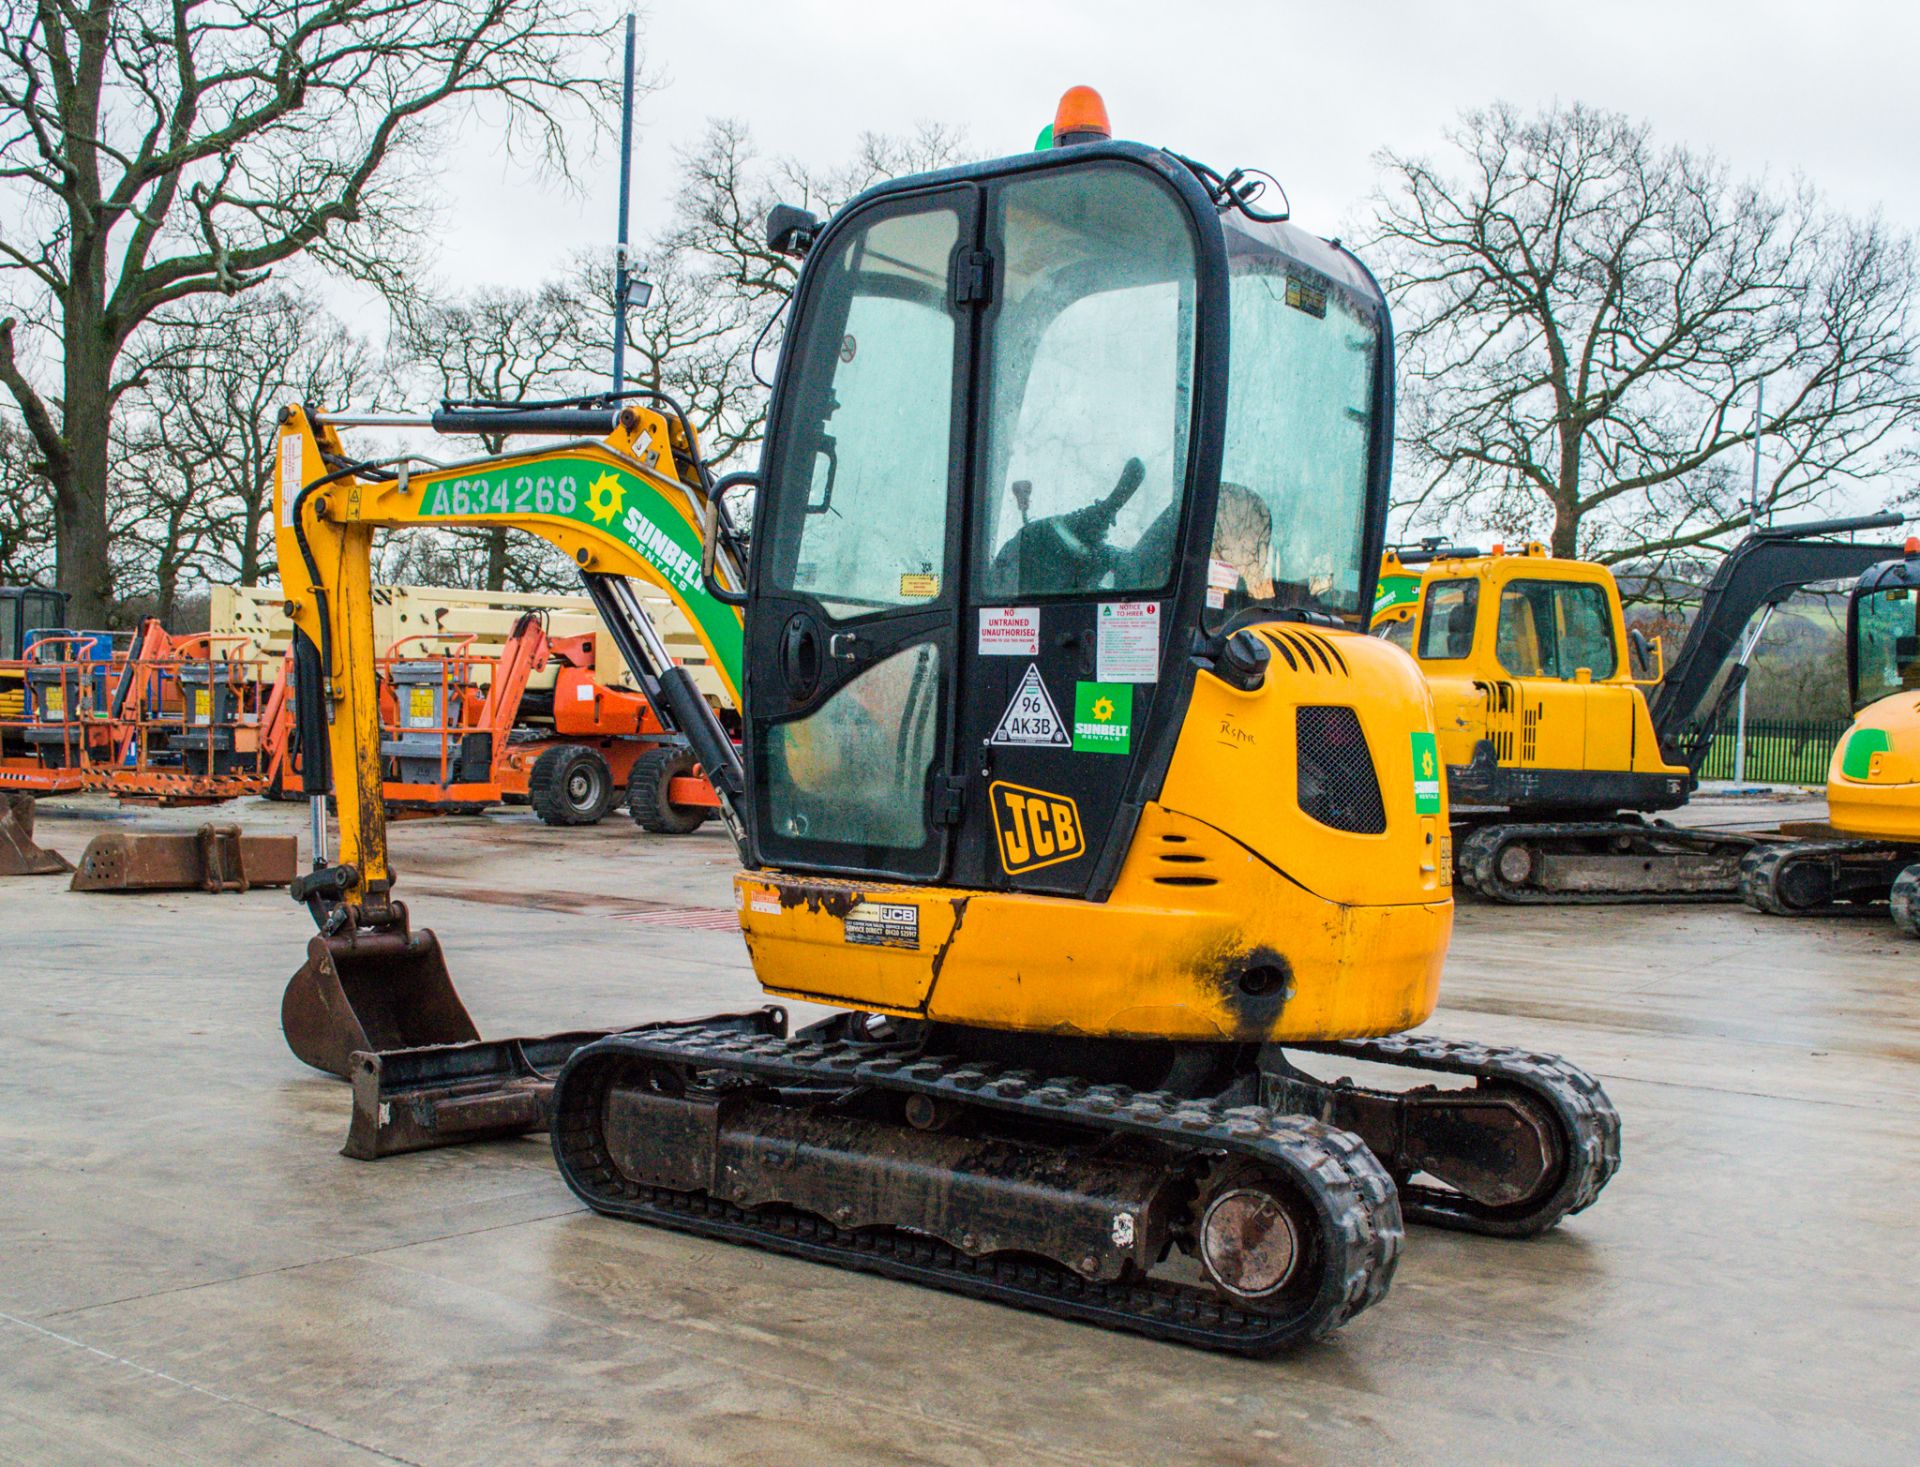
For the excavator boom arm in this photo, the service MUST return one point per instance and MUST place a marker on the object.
(606, 503)
(1763, 570)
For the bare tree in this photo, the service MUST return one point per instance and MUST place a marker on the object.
(195, 433)
(715, 288)
(708, 337)
(502, 345)
(153, 150)
(1586, 317)
(692, 341)
(26, 538)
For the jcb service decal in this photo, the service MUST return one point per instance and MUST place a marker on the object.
(1036, 828)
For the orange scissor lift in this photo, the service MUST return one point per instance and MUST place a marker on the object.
(462, 731)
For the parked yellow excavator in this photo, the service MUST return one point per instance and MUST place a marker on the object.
(1067, 775)
(1562, 731)
(1870, 851)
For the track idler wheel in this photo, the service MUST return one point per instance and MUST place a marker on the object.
(1532, 1141)
(1252, 1239)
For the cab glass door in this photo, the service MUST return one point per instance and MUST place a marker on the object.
(851, 645)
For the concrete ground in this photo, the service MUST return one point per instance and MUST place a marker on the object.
(189, 1272)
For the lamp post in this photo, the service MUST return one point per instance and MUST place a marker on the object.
(1753, 518)
(622, 280)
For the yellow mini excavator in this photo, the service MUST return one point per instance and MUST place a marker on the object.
(1870, 852)
(1556, 745)
(1067, 775)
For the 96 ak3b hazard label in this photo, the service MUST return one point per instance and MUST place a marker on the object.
(1035, 827)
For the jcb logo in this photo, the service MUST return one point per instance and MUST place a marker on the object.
(1035, 828)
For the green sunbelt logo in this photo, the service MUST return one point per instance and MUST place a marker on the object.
(1862, 745)
(1426, 775)
(1103, 718)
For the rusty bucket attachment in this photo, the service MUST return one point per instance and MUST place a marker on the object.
(372, 989)
(213, 858)
(19, 856)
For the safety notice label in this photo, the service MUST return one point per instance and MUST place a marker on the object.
(1031, 717)
(884, 924)
(1128, 648)
(289, 478)
(1009, 631)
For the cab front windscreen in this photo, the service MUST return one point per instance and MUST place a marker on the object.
(1297, 468)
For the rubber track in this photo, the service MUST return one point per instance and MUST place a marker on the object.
(1477, 862)
(1361, 1226)
(1761, 870)
(1904, 901)
(1589, 1127)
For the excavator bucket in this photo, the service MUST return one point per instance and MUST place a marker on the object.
(213, 858)
(370, 990)
(19, 856)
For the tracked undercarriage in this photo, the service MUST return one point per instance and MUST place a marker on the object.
(1264, 1214)
(1600, 861)
(1834, 877)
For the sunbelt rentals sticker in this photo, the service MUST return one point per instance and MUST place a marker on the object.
(1103, 718)
(1426, 775)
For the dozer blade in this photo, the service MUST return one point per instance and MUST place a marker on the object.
(372, 989)
(19, 856)
(449, 1094)
(213, 858)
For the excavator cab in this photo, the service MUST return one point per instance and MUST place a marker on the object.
(1883, 633)
(1044, 431)
(1873, 783)
(1068, 776)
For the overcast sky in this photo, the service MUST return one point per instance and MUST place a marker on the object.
(1309, 92)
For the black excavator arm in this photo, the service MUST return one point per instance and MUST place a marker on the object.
(1760, 572)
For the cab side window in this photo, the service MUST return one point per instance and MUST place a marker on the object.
(1446, 621)
(1554, 628)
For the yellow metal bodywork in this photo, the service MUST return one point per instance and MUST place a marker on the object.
(1545, 723)
(1236, 916)
(337, 613)
(1879, 797)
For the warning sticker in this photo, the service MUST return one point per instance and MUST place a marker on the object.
(1031, 717)
(884, 924)
(1103, 718)
(1221, 578)
(289, 477)
(764, 902)
(420, 707)
(1009, 631)
(919, 584)
(1128, 649)
(1426, 775)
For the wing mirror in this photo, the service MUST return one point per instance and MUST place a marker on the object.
(791, 230)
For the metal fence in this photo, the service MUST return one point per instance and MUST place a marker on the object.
(1779, 751)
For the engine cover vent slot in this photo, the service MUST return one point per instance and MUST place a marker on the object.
(1336, 782)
